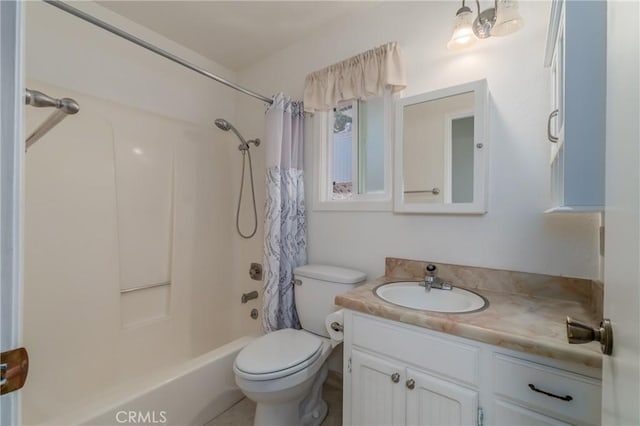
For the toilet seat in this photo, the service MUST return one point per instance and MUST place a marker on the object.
(278, 354)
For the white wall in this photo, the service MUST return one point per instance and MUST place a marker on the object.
(514, 234)
(74, 320)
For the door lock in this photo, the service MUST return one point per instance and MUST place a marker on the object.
(578, 332)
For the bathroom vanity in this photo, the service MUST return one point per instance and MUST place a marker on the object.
(508, 364)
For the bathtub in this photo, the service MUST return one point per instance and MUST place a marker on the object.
(192, 393)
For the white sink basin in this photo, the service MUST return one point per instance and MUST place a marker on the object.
(409, 294)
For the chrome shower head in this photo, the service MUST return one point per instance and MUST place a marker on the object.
(223, 124)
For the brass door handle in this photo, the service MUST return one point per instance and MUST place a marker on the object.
(578, 333)
(14, 367)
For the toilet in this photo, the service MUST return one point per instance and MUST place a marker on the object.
(283, 371)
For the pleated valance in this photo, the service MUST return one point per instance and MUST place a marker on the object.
(360, 77)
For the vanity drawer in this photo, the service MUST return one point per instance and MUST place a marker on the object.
(444, 357)
(514, 379)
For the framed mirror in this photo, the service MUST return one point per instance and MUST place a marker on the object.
(441, 151)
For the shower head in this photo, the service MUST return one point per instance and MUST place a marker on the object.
(223, 124)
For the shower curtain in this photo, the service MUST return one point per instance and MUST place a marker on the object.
(285, 233)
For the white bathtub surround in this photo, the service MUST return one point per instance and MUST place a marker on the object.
(144, 173)
(285, 237)
(72, 279)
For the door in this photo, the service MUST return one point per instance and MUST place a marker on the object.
(621, 371)
(377, 391)
(436, 402)
(11, 155)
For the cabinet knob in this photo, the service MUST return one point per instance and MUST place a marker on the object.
(411, 384)
(578, 332)
(395, 377)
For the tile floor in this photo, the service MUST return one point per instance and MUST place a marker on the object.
(241, 414)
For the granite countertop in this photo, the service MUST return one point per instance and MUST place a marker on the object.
(517, 321)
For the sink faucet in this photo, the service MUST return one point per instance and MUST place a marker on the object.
(431, 279)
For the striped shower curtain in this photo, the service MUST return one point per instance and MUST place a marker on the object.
(285, 233)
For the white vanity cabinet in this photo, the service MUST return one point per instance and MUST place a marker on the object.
(576, 57)
(397, 374)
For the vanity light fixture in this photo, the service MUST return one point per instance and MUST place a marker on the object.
(501, 20)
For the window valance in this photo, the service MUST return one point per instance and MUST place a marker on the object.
(359, 77)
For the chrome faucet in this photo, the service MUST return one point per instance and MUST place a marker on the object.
(431, 279)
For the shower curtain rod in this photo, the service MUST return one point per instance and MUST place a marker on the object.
(125, 35)
(64, 107)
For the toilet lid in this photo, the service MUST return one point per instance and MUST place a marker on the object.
(277, 351)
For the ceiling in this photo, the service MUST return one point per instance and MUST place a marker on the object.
(235, 33)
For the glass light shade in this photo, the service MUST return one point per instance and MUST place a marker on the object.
(462, 35)
(508, 19)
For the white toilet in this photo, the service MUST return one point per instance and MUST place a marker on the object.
(283, 371)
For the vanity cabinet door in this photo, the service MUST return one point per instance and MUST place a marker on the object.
(436, 402)
(377, 391)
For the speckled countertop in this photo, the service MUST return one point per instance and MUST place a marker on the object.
(515, 319)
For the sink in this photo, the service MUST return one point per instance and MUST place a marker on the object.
(410, 294)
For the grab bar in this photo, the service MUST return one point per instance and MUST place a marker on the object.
(552, 138)
(434, 191)
(144, 287)
(64, 106)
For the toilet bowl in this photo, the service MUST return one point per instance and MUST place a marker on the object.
(283, 371)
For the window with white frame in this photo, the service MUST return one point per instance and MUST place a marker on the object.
(353, 161)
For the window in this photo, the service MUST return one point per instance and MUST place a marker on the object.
(353, 161)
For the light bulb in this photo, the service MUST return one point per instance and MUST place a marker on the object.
(508, 19)
(462, 35)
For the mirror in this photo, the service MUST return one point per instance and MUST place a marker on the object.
(441, 151)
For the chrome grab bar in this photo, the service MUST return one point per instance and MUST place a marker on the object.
(434, 191)
(553, 139)
(144, 287)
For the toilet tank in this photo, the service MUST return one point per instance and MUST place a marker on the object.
(315, 290)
